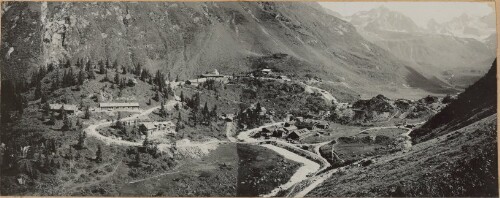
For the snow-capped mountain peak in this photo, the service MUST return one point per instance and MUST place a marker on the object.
(465, 26)
(383, 19)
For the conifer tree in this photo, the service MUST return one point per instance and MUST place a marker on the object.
(157, 96)
(102, 69)
(87, 113)
(193, 117)
(146, 141)
(178, 126)
(68, 64)
(66, 123)
(38, 91)
(138, 69)
(91, 74)
(78, 123)
(206, 113)
(117, 78)
(55, 81)
(88, 66)
(46, 108)
(98, 154)
(163, 112)
(213, 113)
(144, 75)
(50, 67)
(105, 79)
(81, 140)
(138, 157)
(81, 77)
(71, 80)
(52, 120)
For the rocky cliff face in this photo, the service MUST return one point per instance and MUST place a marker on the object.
(21, 39)
(191, 38)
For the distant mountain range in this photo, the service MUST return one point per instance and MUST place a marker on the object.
(383, 19)
(465, 26)
(457, 52)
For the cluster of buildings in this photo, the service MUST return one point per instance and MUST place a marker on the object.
(268, 73)
(70, 109)
(212, 75)
(296, 129)
(150, 127)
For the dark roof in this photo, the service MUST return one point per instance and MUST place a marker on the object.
(148, 125)
(300, 132)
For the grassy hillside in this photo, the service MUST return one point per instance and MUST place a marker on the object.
(455, 155)
(463, 163)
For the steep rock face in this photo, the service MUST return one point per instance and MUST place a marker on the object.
(477, 102)
(191, 38)
(21, 40)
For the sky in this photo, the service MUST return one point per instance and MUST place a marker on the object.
(420, 12)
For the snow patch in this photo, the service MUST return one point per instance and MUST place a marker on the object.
(11, 49)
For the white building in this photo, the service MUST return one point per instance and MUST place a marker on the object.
(119, 106)
(68, 108)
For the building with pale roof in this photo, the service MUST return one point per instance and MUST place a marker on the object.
(119, 106)
(68, 108)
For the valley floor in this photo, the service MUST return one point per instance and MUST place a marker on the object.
(221, 157)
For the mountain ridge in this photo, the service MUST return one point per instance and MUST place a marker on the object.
(190, 38)
(442, 57)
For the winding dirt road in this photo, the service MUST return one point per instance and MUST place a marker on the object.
(92, 129)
